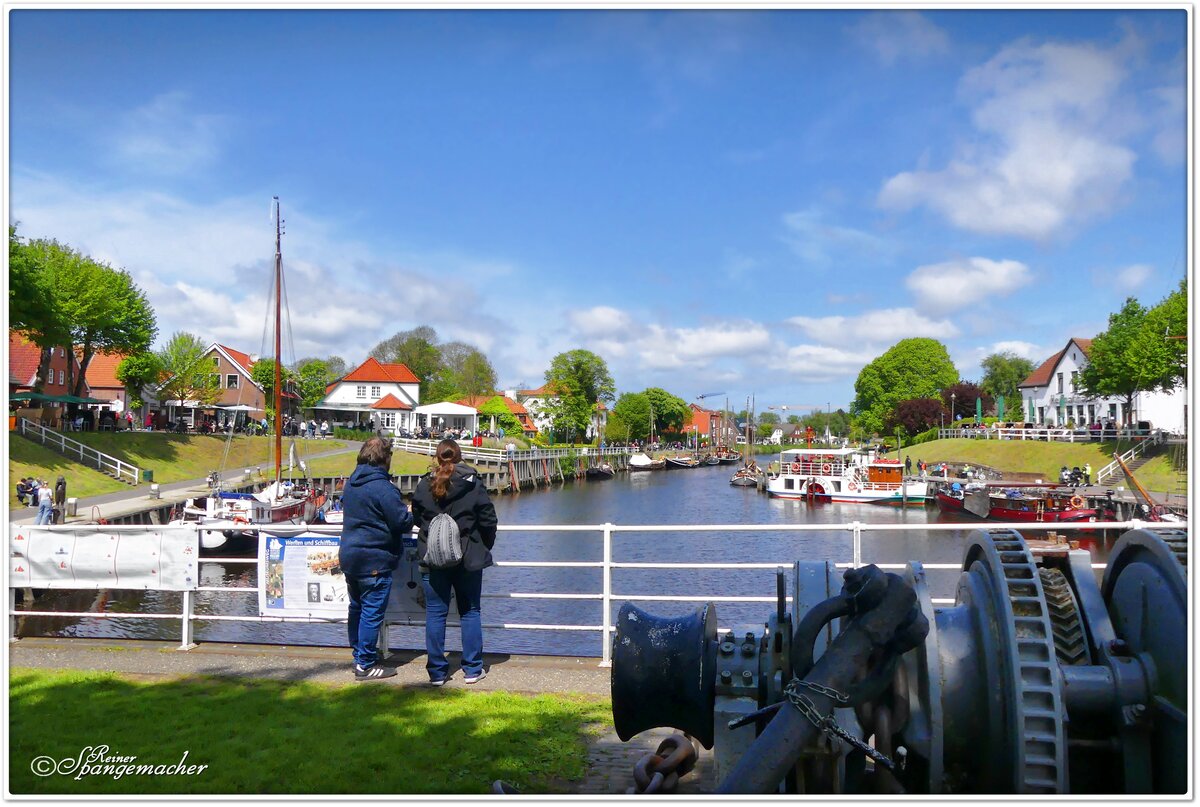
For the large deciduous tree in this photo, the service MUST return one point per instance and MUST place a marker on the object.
(1002, 372)
(31, 310)
(505, 419)
(669, 410)
(1132, 356)
(313, 377)
(1169, 320)
(190, 376)
(912, 368)
(961, 397)
(633, 409)
(577, 380)
(263, 374)
(915, 415)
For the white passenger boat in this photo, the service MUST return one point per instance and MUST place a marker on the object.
(844, 475)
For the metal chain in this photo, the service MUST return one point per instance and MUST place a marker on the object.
(660, 772)
(825, 723)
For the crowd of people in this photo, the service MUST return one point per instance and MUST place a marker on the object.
(51, 502)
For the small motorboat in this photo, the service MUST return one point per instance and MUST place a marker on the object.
(682, 462)
(709, 459)
(745, 477)
(598, 472)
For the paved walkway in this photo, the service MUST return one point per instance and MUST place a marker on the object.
(610, 761)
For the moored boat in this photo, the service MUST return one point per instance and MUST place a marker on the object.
(745, 477)
(599, 472)
(844, 475)
(643, 462)
(1011, 503)
(682, 462)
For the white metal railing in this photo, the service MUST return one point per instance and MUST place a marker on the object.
(1138, 449)
(606, 595)
(429, 447)
(1055, 433)
(70, 448)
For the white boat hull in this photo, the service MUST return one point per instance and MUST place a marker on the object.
(838, 490)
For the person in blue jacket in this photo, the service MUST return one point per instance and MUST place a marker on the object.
(375, 521)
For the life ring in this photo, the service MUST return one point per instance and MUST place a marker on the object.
(826, 469)
(852, 486)
(795, 467)
(1077, 502)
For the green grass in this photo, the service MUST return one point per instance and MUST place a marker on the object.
(26, 458)
(343, 464)
(273, 737)
(172, 457)
(1045, 459)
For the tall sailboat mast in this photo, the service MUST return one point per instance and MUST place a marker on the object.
(278, 347)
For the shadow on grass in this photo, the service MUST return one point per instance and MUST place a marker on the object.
(278, 737)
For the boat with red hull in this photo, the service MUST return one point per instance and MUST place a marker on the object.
(1016, 504)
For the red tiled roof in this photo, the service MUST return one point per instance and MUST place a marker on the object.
(238, 356)
(474, 401)
(374, 370)
(1041, 376)
(390, 401)
(23, 358)
(329, 387)
(102, 371)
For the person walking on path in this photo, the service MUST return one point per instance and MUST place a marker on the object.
(455, 488)
(45, 503)
(60, 500)
(375, 522)
(324, 429)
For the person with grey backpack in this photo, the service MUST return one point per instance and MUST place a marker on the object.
(456, 524)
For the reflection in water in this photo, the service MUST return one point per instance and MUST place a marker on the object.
(698, 496)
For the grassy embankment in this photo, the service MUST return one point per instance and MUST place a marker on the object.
(274, 737)
(1045, 459)
(172, 457)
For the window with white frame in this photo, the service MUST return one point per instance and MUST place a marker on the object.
(387, 420)
(62, 377)
(231, 381)
(360, 391)
(216, 361)
(375, 391)
(1060, 383)
(1074, 380)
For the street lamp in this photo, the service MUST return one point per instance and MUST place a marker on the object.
(953, 395)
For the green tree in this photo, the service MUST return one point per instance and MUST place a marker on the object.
(616, 430)
(1169, 319)
(478, 376)
(669, 411)
(190, 377)
(1132, 356)
(30, 309)
(312, 379)
(416, 349)
(768, 419)
(1002, 372)
(633, 409)
(262, 372)
(577, 381)
(911, 368)
(138, 371)
(505, 419)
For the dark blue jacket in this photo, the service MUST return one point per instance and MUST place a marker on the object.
(374, 521)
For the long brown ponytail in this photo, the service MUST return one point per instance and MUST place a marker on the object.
(448, 455)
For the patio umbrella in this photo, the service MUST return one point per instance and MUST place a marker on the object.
(1000, 407)
(979, 410)
(31, 396)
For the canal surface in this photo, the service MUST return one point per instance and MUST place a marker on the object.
(685, 497)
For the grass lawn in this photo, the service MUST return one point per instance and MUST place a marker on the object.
(1035, 456)
(26, 458)
(273, 737)
(343, 464)
(172, 457)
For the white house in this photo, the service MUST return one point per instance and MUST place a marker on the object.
(535, 400)
(373, 392)
(1051, 396)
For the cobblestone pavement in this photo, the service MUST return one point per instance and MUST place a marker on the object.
(610, 765)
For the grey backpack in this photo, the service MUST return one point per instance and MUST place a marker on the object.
(444, 549)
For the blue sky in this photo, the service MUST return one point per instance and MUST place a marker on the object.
(712, 201)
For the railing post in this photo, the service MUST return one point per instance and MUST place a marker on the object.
(856, 527)
(606, 599)
(185, 642)
(12, 614)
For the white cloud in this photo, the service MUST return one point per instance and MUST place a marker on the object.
(819, 363)
(900, 35)
(883, 326)
(943, 287)
(1025, 350)
(165, 136)
(1047, 154)
(1132, 277)
(599, 321)
(815, 240)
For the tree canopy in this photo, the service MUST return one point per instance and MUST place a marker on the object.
(1169, 320)
(505, 419)
(312, 379)
(915, 415)
(1132, 356)
(1002, 372)
(912, 368)
(633, 410)
(448, 371)
(669, 410)
(578, 380)
(190, 377)
(962, 397)
(138, 371)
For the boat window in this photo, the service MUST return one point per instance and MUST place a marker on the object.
(789, 484)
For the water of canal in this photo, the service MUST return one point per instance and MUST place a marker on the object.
(696, 496)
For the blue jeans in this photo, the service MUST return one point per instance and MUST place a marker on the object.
(368, 602)
(45, 514)
(468, 587)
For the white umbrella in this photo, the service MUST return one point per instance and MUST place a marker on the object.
(238, 408)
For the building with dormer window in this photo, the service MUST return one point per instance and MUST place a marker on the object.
(374, 395)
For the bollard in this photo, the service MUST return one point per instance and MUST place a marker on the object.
(154, 493)
(72, 506)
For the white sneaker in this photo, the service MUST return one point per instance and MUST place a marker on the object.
(471, 679)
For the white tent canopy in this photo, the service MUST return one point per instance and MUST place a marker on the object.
(449, 415)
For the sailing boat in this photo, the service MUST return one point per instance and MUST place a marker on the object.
(726, 455)
(228, 515)
(642, 461)
(747, 475)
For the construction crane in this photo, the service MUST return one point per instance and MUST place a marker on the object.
(704, 395)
